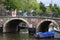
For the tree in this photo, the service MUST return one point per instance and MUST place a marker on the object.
(8, 4)
(42, 7)
(31, 4)
(53, 9)
(20, 4)
(1, 1)
(48, 9)
(14, 4)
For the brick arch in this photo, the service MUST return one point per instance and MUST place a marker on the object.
(47, 20)
(14, 19)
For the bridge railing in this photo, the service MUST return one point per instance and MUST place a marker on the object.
(32, 15)
(56, 16)
(39, 17)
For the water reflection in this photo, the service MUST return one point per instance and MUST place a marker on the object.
(1, 36)
(22, 35)
(18, 36)
(10, 36)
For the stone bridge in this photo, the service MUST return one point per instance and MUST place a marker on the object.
(40, 23)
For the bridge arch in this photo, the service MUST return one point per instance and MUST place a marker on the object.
(16, 22)
(42, 25)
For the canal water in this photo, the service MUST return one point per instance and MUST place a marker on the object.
(17, 36)
(22, 35)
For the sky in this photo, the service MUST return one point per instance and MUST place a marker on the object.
(47, 2)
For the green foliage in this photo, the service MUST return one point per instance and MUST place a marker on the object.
(48, 9)
(55, 9)
(31, 4)
(21, 4)
(42, 7)
(9, 5)
(14, 4)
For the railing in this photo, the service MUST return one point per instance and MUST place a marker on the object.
(35, 15)
(39, 17)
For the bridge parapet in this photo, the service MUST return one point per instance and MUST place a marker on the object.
(30, 20)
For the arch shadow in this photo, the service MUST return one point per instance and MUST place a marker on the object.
(12, 25)
(43, 26)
